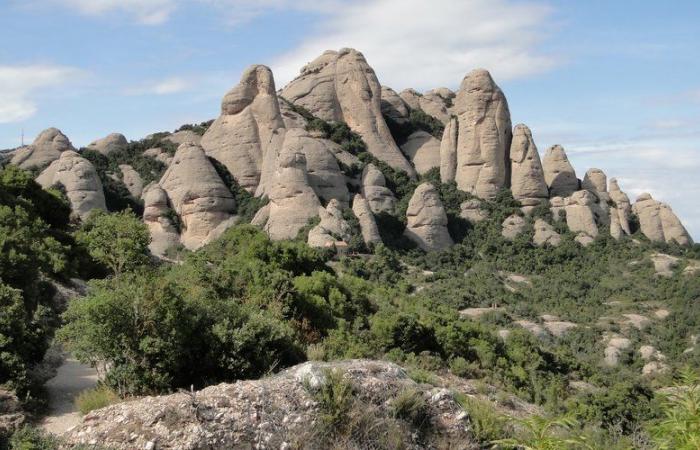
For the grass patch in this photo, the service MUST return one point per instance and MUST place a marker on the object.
(487, 424)
(96, 398)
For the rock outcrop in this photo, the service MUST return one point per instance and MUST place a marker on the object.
(332, 228)
(557, 206)
(658, 222)
(448, 151)
(623, 206)
(159, 154)
(368, 225)
(158, 217)
(341, 86)
(579, 213)
(293, 201)
(393, 106)
(423, 150)
(79, 179)
(183, 137)
(291, 118)
(471, 211)
(559, 173)
(250, 127)
(545, 234)
(374, 189)
(109, 143)
(433, 103)
(427, 220)
(483, 137)
(527, 181)
(132, 180)
(512, 227)
(46, 148)
(595, 180)
(196, 193)
(277, 412)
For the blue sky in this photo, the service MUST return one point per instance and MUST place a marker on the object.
(617, 83)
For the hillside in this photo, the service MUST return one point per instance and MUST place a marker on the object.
(446, 283)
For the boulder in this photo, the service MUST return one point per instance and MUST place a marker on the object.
(483, 137)
(184, 136)
(393, 106)
(79, 179)
(332, 228)
(545, 234)
(512, 227)
(423, 150)
(278, 412)
(293, 201)
(250, 127)
(559, 173)
(341, 86)
(427, 220)
(46, 148)
(658, 222)
(615, 346)
(579, 213)
(196, 193)
(527, 177)
(595, 180)
(368, 225)
(109, 143)
(471, 211)
(448, 151)
(623, 206)
(158, 217)
(132, 180)
(374, 189)
(583, 239)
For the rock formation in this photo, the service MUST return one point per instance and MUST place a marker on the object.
(196, 193)
(393, 106)
(374, 189)
(158, 217)
(77, 176)
(277, 412)
(595, 180)
(332, 228)
(616, 230)
(559, 173)
(423, 150)
(109, 143)
(623, 206)
(579, 213)
(431, 103)
(545, 234)
(368, 226)
(46, 148)
(658, 222)
(426, 219)
(512, 227)
(159, 154)
(184, 136)
(293, 201)
(557, 206)
(249, 127)
(291, 118)
(448, 151)
(341, 86)
(483, 137)
(132, 180)
(471, 211)
(527, 177)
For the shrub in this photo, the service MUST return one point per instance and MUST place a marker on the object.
(30, 438)
(487, 424)
(410, 405)
(95, 398)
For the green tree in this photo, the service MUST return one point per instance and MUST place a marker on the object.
(119, 240)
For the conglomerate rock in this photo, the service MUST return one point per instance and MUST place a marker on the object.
(426, 219)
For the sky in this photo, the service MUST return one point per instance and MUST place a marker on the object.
(617, 83)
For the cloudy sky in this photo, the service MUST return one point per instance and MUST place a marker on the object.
(617, 83)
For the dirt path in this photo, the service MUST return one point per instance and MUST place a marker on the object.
(72, 378)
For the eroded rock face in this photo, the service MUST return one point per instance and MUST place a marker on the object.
(159, 154)
(368, 225)
(545, 234)
(109, 143)
(483, 137)
(374, 189)
(448, 151)
(158, 217)
(427, 220)
(224, 419)
(393, 106)
(132, 180)
(80, 181)
(512, 227)
(341, 86)
(433, 103)
(579, 213)
(623, 206)
(423, 150)
(559, 173)
(196, 193)
(595, 180)
(184, 136)
(293, 201)
(557, 205)
(471, 211)
(248, 129)
(291, 118)
(46, 148)
(658, 222)
(527, 177)
(332, 228)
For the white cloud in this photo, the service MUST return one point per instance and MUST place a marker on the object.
(420, 44)
(167, 86)
(20, 86)
(241, 11)
(147, 12)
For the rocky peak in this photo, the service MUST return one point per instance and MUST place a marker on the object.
(427, 220)
(595, 180)
(46, 148)
(559, 173)
(374, 189)
(527, 176)
(658, 222)
(109, 143)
